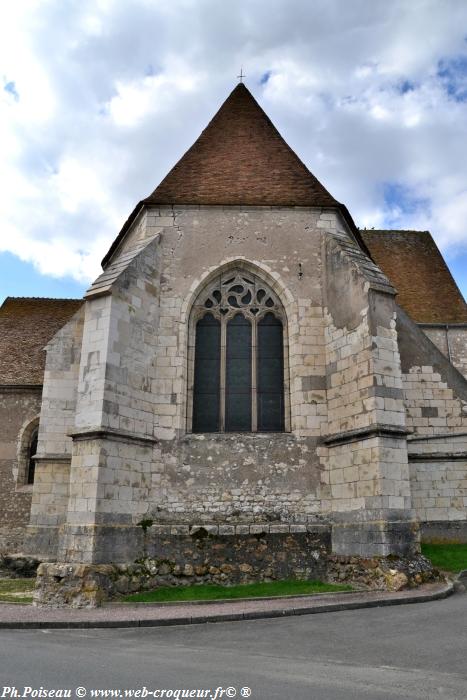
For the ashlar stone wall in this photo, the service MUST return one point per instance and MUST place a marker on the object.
(435, 397)
(366, 454)
(437, 452)
(451, 340)
(438, 466)
(432, 406)
(111, 469)
(19, 411)
(57, 419)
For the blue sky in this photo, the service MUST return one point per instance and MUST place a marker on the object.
(99, 99)
(22, 279)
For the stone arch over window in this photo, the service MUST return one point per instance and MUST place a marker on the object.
(238, 356)
(27, 448)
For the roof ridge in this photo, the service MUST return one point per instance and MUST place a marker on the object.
(393, 230)
(240, 158)
(46, 298)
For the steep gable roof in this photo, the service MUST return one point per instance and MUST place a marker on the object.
(239, 159)
(413, 263)
(26, 326)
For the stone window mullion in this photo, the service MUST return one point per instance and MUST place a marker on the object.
(223, 370)
(250, 381)
(254, 396)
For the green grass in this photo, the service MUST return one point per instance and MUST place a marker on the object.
(246, 590)
(448, 557)
(16, 590)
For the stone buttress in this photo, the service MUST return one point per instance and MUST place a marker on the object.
(342, 462)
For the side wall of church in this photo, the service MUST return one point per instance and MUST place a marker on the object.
(435, 397)
(19, 408)
(438, 468)
(451, 340)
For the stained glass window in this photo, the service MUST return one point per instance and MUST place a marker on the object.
(270, 374)
(238, 375)
(238, 383)
(207, 375)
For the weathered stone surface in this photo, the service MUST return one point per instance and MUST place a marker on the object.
(90, 585)
(382, 573)
(396, 580)
(74, 585)
(19, 409)
(178, 560)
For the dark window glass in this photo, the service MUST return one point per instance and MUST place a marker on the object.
(238, 375)
(206, 391)
(31, 452)
(270, 374)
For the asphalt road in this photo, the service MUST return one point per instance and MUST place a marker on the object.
(409, 651)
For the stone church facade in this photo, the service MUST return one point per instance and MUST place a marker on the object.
(240, 391)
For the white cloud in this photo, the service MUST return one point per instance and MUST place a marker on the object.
(111, 93)
(137, 100)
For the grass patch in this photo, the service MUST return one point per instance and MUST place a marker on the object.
(448, 557)
(166, 594)
(16, 590)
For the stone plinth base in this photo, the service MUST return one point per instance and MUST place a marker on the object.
(376, 538)
(203, 557)
(186, 559)
(444, 532)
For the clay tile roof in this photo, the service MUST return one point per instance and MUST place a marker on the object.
(413, 263)
(240, 158)
(26, 326)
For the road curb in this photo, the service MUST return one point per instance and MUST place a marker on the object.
(448, 590)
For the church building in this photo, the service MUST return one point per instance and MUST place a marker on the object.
(252, 384)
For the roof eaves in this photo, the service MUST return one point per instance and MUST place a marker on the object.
(126, 226)
(355, 230)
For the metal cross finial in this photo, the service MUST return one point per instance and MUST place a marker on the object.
(242, 75)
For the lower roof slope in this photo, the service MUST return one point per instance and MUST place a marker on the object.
(413, 263)
(26, 326)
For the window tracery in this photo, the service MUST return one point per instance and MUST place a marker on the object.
(237, 329)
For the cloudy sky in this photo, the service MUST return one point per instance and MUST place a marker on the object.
(100, 98)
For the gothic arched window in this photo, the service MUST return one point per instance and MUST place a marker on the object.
(26, 450)
(238, 359)
(31, 465)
